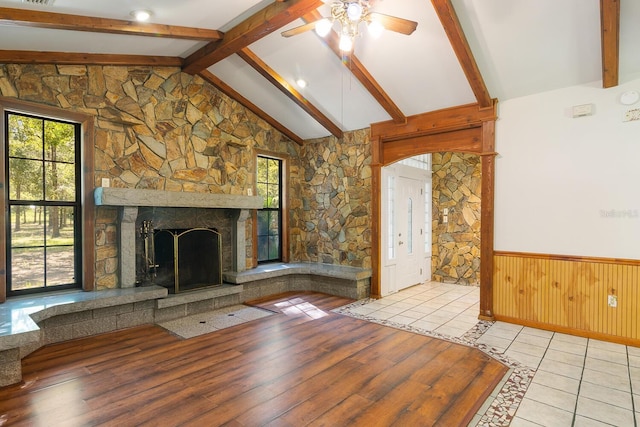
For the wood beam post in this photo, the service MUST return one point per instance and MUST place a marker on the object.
(610, 33)
(487, 220)
(452, 27)
(62, 21)
(259, 25)
(376, 187)
(288, 90)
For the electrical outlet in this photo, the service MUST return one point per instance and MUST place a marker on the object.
(612, 301)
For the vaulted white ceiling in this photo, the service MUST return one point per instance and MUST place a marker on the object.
(521, 47)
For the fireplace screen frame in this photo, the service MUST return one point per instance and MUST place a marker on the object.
(160, 256)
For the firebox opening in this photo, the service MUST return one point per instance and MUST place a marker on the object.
(186, 259)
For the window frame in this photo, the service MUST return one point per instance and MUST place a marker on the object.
(284, 207)
(87, 209)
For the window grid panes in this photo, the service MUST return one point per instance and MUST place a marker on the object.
(427, 216)
(422, 161)
(269, 187)
(42, 171)
(391, 231)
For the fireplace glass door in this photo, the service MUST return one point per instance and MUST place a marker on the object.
(187, 259)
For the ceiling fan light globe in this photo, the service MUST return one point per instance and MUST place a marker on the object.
(346, 44)
(375, 29)
(323, 27)
(354, 11)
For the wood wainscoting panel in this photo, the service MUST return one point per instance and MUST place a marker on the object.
(569, 294)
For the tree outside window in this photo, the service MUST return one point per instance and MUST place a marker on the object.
(269, 179)
(43, 203)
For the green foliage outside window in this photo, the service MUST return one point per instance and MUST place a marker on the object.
(269, 173)
(43, 204)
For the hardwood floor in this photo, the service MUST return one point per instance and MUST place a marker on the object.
(302, 366)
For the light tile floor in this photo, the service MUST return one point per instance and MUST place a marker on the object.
(577, 381)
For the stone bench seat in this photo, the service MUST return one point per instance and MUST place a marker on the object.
(275, 278)
(27, 323)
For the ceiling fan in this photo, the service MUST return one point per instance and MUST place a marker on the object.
(349, 14)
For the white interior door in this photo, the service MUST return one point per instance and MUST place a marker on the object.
(410, 227)
(406, 227)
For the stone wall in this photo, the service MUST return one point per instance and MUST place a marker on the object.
(330, 216)
(156, 128)
(456, 245)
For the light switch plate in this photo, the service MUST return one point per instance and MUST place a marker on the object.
(582, 110)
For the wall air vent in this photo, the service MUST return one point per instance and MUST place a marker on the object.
(44, 2)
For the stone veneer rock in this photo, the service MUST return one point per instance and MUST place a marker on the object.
(158, 128)
(331, 217)
(456, 184)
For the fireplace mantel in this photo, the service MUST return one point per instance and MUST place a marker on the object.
(111, 196)
(128, 200)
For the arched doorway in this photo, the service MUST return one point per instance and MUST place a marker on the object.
(464, 129)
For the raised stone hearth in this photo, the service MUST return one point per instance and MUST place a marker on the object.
(130, 200)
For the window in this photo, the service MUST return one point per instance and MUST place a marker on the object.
(43, 203)
(269, 218)
(391, 217)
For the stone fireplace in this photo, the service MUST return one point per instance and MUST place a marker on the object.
(225, 213)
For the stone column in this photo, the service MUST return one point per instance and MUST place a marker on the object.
(240, 240)
(128, 215)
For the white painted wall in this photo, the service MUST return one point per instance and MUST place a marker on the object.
(568, 186)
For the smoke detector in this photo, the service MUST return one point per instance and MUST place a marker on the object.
(43, 2)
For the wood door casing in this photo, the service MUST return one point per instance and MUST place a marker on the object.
(467, 129)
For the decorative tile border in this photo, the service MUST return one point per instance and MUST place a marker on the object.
(503, 407)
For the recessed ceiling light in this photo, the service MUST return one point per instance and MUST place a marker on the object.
(375, 29)
(301, 83)
(141, 15)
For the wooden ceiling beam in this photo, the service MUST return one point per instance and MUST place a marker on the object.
(72, 58)
(610, 33)
(434, 122)
(259, 25)
(60, 21)
(283, 86)
(452, 27)
(360, 72)
(228, 90)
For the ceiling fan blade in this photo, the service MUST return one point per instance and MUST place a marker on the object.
(393, 23)
(299, 30)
